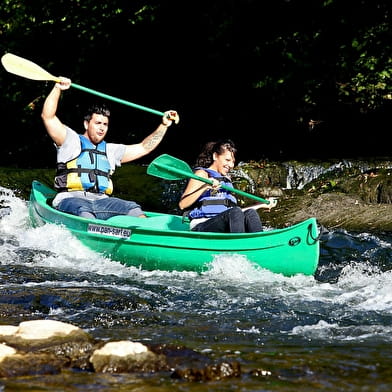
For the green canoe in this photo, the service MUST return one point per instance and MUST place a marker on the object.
(164, 241)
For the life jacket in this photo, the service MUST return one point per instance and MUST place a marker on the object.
(212, 203)
(90, 171)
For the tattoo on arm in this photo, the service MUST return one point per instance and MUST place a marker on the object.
(150, 142)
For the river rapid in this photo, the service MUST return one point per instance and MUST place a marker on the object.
(329, 332)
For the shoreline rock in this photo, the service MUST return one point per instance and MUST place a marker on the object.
(50, 347)
(348, 199)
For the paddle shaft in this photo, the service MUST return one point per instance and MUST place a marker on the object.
(190, 174)
(118, 100)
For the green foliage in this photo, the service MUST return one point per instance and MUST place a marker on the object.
(369, 72)
(299, 59)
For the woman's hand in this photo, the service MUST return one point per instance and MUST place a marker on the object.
(215, 186)
(272, 202)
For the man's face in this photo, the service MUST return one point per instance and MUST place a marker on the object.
(96, 128)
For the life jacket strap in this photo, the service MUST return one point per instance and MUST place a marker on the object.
(224, 202)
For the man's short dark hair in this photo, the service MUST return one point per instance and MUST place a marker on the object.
(97, 109)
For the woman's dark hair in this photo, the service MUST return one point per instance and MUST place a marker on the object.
(206, 157)
(97, 109)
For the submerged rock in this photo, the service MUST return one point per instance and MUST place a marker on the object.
(214, 372)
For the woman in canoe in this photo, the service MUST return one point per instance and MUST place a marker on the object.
(211, 208)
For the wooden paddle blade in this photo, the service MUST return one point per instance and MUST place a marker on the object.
(25, 68)
(169, 168)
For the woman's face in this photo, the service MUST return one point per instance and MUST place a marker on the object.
(223, 163)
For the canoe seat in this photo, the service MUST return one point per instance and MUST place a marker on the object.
(160, 222)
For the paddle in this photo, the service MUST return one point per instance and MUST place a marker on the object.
(170, 168)
(27, 69)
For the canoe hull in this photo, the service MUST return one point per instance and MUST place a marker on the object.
(164, 242)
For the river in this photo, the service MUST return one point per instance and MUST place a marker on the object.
(329, 332)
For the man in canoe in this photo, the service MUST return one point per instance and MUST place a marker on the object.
(85, 163)
(212, 208)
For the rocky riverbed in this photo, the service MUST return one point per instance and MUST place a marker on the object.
(50, 346)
